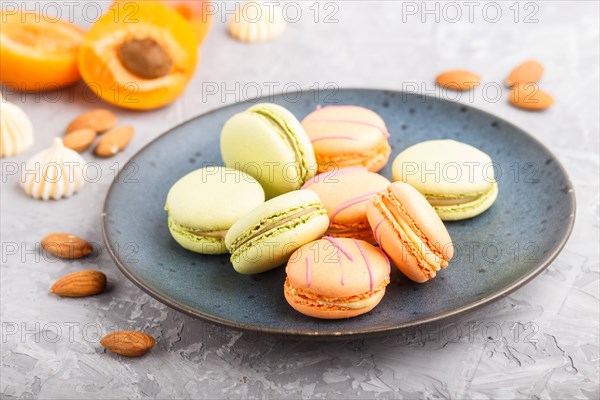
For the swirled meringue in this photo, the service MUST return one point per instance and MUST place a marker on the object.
(255, 22)
(16, 130)
(53, 173)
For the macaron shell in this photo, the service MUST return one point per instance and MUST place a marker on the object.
(395, 246)
(275, 206)
(346, 136)
(294, 126)
(250, 141)
(396, 243)
(328, 278)
(377, 161)
(424, 216)
(213, 198)
(468, 210)
(363, 127)
(327, 313)
(345, 194)
(250, 144)
(288, 120)
(274, 247)
(199, 244)
(275, 250)
(444, 167)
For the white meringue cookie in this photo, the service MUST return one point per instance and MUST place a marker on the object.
(255, 22)
(53, 173)
(16, 130)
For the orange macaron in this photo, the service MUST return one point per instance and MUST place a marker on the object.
(335, 278)
(347, 136)
(409, 230)
(345, 194)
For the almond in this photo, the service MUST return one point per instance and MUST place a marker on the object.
(527, 72)
(80, 139)
(458, 80)
(98, 120)
(128, 343)
(114, 141)
(529, 96)
(65, 245)
(80, 284)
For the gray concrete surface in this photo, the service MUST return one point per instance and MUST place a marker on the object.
(540, 342)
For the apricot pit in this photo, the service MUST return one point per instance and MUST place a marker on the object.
(145, 58)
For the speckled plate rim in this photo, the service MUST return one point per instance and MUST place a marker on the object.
(330, 334)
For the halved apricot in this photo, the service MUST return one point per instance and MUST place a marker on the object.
(38, 53)
(139, 55)
(196, 12)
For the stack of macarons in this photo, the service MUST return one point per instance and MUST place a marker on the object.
(215, 210)
(328, 214)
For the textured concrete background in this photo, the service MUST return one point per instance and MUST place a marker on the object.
(540, 342)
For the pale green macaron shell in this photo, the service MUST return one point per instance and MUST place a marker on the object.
(269, 143)
(204, 204)
(456, 178)
(267, 237)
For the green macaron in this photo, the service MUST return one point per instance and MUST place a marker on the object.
(267, 236)
(269, 143)
(456, 178)
(204, 204)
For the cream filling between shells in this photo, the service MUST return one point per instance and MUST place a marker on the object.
(273, 223)
(364, 299)
(430, 256)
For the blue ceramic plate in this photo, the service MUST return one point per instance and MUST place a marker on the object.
(496, 252)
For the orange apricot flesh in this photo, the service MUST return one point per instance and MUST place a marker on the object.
(197, 12)
(126, 42)
(38, 53)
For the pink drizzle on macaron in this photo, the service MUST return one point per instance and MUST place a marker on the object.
(332, 137)
(340, 249)
(364, 256)
(377, 237)
(308, 270)
(350, 203)
(350, 121)
(383, 131)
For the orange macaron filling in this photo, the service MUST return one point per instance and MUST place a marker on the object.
(373, 160)
(395, 214)
(359, 230)
(324, 303)
(404, 238)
